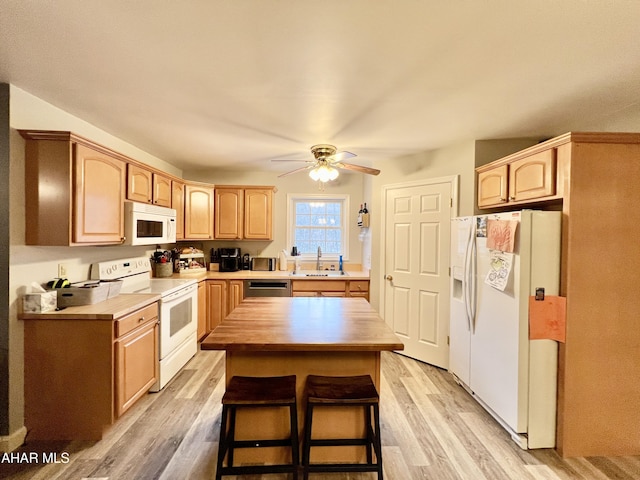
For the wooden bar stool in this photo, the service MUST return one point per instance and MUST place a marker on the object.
(257, 392)
(357, 391)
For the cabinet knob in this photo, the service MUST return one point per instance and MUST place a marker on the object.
(512, 198)
(389, 277)
(141, 319)
(503, 199)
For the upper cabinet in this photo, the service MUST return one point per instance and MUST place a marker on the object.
(513, 181)
(258, 211)
(229, 212)
(198, 211)
(74, 191)
(244, 212)
(533, 177)
(492, 186)
(144, 185)
(177, 203)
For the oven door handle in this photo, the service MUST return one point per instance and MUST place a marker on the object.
(183, 292)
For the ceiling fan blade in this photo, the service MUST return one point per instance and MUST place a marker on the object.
(357, 168)
(294, 171)
(283, 160)
(340, 156)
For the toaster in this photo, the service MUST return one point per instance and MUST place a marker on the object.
(263, 264)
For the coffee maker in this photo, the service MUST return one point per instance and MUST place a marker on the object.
(230, 259)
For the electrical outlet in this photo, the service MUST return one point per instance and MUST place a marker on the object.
(62, 270)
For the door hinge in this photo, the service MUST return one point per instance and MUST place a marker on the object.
(450, 202)
(447, 339)
(449, 271)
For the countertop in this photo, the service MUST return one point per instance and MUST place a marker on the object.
(250, 274)
(313, 324)
(110, 309)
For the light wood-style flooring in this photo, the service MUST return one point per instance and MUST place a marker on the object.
(431, 429)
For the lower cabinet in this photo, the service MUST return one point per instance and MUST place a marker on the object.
(135, 370)
(80, 375)
(216, 303)
(202, 309)
(330, 288)
(219, 299)
(235, 294)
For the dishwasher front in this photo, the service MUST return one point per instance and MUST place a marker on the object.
(267, 288)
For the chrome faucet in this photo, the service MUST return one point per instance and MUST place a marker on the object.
(318, 259)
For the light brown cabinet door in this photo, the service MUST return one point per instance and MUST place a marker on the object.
(359, 288)
(202, 310)
(139, 186)
(162, 191)
(198, 212)
(258, 206)
(216, 302)
(99, 192)
(228, 215)
(533, 177)
(236, 294)
(177, 203)
(136, 365)
(492, 186)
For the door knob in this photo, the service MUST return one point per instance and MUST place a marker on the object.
(389, 277)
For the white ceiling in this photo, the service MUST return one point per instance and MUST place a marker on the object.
(236, 83)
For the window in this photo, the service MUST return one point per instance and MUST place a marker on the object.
(318, 221)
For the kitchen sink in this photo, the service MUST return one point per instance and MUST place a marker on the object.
(322, 273)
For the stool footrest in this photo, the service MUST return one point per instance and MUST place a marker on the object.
(261, 443)
(338, 442)
(258, 469)
(341, 467)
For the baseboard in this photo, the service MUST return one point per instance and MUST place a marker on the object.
(10, 442)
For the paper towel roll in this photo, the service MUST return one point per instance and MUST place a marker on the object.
(282, 260)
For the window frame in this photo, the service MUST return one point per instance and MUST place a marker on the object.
(310, 197)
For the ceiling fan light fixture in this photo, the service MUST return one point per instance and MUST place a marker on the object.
(323, 173)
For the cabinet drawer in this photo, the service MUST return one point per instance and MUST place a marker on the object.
(135, 319)
(358, 286)
(319, 285)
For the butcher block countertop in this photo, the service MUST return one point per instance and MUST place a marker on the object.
(110, 309)
(313, 324)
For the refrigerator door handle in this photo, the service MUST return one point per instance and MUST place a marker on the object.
(467, 278)
(473, 283)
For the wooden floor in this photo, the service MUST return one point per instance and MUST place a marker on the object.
(431, 429)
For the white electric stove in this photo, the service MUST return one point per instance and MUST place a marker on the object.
(178, 310)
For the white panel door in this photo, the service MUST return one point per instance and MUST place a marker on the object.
(416, 288)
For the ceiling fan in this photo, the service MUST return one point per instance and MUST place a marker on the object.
(327, 161)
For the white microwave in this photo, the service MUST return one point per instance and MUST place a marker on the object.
(148, 224)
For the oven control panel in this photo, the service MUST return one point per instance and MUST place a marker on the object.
(115, 269)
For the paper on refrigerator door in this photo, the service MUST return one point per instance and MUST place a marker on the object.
(500, 264)
(501, 235)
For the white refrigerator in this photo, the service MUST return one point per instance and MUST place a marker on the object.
(512, 377)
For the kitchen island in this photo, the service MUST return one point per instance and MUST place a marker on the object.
(302, 336)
